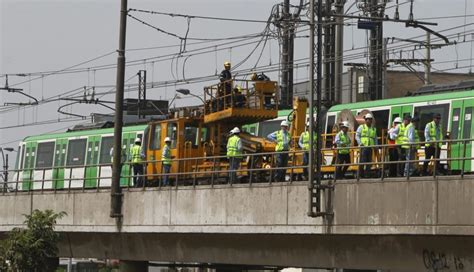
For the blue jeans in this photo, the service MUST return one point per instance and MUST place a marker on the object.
(166, 170)
(305, 163)
(281, 161)
(365, 156)
(234, 164)
(409, 166)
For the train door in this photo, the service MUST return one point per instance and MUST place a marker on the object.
(91, 161)
(30, 155)
(75, 160)
(154, 151)
(59, 162)
(43, 173)
(456, 125)
(105, 161)
(128, 139)
(462, 128)
(400, 111)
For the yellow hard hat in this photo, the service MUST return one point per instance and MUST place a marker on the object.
(226, 63)
(238, 89)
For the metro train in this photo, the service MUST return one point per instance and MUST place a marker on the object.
(78, 159)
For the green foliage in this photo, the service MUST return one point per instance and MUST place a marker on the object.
(33, 248)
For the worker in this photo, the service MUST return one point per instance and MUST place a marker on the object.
(393, 149)
(366, 137)
(234, 153)
(433, 136)
(137, 163)
(303, 143)
(166, 161)
(399, 135)
(343, 143)
(411, 145)
(239, 98)
(226, 86)
(282, 138)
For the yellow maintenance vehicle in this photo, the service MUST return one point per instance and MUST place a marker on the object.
(199, 137)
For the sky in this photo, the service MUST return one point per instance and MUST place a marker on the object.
(38, 38)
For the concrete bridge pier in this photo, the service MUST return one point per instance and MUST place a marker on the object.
(133, 266)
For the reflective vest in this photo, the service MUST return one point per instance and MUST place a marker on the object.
(367, 135)
(233, 147)
(282, 143)
(166, 155)
(433, 135)
(136, 156)
(416, 140)
(346, 142)
(401, 138)
(305, 140)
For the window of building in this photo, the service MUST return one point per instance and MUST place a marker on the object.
(172, 132)
(106, 145)
(76, 152)
(360, 84)
(45, 155)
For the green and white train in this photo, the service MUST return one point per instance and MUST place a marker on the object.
(81, 159)
(73, 159)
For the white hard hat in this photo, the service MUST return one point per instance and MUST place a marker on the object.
(369, 116)
(397, 120)
(284, 123)
(138, 140)
(167, 139)
(345, 124)
(235, 130)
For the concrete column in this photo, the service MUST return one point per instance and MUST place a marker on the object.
(133, 266)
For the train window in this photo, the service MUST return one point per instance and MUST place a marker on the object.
(18, 152)
(205, 135)
(172, 132)
(106, 145)
(425, 113)
(76, 152)
(22, 156)
(467, 123)
(268, 127)
(156, 138)
(330, 124)
(45, 156)
(191, 135)
(455, 124)
(381, 118)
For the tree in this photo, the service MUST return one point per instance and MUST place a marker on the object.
(32, 248)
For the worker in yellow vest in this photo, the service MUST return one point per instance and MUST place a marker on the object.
(166, 161)
(137, 163)
(234, 153)
(282, 138)
(343, 143)
(366, 137)
(393, 148)
(398, 134)
(411, 144)
(433, 133)
(304, 145)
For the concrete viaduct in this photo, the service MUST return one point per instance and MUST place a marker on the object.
(423, 224)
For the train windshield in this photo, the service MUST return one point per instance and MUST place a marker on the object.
(191, 135)
(268, 127)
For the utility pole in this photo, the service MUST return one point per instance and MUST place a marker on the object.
(5, 173)
(339, 50)
(428, 59)
(285, 95)
(311, 184)
(116, 192)
(141, 93)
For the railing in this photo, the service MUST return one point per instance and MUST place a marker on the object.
(251, 95)
(255, 168)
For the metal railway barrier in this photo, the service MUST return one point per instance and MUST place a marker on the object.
(216, 170)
